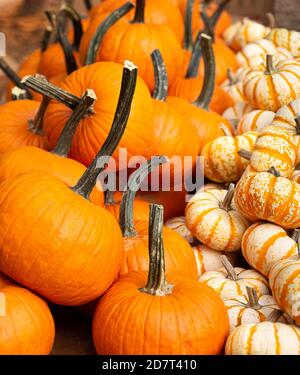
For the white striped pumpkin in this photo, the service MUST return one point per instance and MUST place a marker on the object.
(178, 225)
(250, 308)
(222, 163)
(288, 39)
(265, 338)
(271, 85)
(208, 259)
(285, 285)
(296, 176)
(236, 112)
(263, 244)
(230, 282)
(214, 221)
(255, 121)
(263, 196)
(234, 87)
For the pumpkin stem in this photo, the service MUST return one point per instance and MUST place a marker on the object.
(105, 25)
(245, 154)
(229, 268)
(188, 32)
(297, 121)
(208, 26)
(36, 125)
(139, 16)
(109, 198)
(88, 4)
(18, 94)
(88, 180)
(69, 12)
(207, 91)
(192, 71)
(157, 284)
(274, 172)
(275, 316)
(13, 76)
(218, 12)
(232, 80)
(51, 17)
(270, 64)
(160, 76)
(64, 143)
(253, 298)
(271, 20)
(135, 180)
(46, 38)
(225, 130)
(226, 204)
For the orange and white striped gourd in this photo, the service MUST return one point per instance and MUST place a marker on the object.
(265, 338)
(236, 112)
(178, 225)
(273, 84)
(212, 218)
(264, 244)
(234, 87)
(249, 308)
(230, 282)
(284, 38)
(267, 196)
(255, 120)
(222, 163)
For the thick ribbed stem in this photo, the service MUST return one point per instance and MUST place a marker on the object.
(36, 125)
(139, 16)
(19, 94)
(270, 64)
(274, 172)
(253, 298)
(64, 143)
(126, 208)
(69, 12)
(13, 77)
(160, 76)
(226, 204)
(157, 284)
(245, 154)
(207, 91)
(188, 32)
(102, 29)
(71, 64)
(229, 268)
(88, 180)
(192, 71)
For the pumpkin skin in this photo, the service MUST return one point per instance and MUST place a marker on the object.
(262, 196)
(264, 338)
(222, 162)
(227, 288)
(288, 39)
(255, 120)
(15, 128)
(105, 78)
(71, 226)
(236, 112)
(221, 229)
(264, 244)
(178, 225)
(26, 323)
(233, 86)
(284, 282)
(147, 312)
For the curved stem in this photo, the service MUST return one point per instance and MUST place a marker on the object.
(188, 32)
(46, 38)
(225, 130)
(139, 15)
(208, 26)
(135, 180)
(110, 20)
(160, 76)
(271, 20)
(218, 12)
(253, 298)
(245, 154)
(13, 77)
(274, 172)
(226, 204)
(88, 180)
(157, 284)
(229, 268)
(36, 125)
(64, 143)
(207, 91)
(18, 94)
(109, 198)
(270, 64)
(71, 64)
(297, 121)
(192, 71)
(88, 5)
(71, 13)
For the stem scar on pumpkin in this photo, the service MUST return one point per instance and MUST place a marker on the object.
(231, 274)
(157, 283)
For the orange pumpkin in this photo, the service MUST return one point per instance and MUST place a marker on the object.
(157, 303)
(26, 323)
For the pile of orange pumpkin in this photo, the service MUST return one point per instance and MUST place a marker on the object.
(219, 274)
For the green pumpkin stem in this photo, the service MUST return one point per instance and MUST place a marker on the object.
(192, 71)
(87, 182)
(69, 12)
(270, 64)
(229, 268)
(274, 172)
(46, 38)
(207, 91)
(64, 143)
(160, 76)
(18, 94)
(245, 154)
(218, 12)
(13, 77)
(36, 125)
(226, 204)
(157, 284)
(135, 180)
(88, 4)
(70, 61)
(253, 298)
(188, 32)
(106, 24)
(208, 25)
(139, 15)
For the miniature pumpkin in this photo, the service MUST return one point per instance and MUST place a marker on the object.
(230, 282)
(288, 39)
(234, 87)
(255, 120)
(158, 303)
(266, 196)
(236, 112)
(26, 323)
(265, 338)
(212, 218)
(264, 244)
(178, 225)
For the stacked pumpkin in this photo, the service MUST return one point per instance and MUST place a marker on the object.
(168, 78)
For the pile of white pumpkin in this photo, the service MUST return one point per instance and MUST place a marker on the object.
(261, 213)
